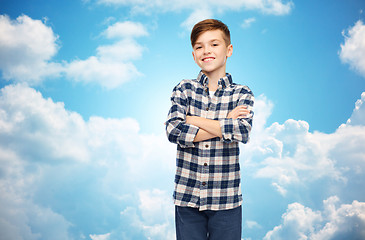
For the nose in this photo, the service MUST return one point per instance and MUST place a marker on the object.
(206, 50)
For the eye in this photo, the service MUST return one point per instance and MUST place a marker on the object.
(198, 47)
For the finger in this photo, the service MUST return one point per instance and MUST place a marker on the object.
(243, 116)
(244, 112)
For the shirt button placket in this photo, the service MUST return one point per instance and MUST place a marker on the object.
(205, 176)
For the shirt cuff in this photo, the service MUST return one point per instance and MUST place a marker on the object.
(187, 136)
(227, 129)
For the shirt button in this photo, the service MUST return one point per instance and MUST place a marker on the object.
(207, 146)
(205, 164)
(204, 183)
(207, 108)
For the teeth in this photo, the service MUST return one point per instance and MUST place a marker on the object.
(208, 59)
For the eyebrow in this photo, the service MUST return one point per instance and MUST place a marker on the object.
(209, 41)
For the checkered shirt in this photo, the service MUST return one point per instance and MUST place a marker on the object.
(208, 172)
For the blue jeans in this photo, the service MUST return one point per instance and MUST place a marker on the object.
(192, 224)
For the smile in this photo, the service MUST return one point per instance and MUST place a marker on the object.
(208, 59)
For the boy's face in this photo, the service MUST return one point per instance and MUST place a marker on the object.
(210, 52)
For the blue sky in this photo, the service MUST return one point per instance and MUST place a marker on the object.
(85, 89)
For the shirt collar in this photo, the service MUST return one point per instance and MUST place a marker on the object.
(222, 83)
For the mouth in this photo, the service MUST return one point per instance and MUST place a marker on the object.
(208, 59)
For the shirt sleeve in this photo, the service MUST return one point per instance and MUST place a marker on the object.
(239, 129)
(177, 130)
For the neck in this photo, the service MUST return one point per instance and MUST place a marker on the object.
(214, 78)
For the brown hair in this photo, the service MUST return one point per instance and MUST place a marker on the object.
(209, 25)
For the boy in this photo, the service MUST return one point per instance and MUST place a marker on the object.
(209, 116)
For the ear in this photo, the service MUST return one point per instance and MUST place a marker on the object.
(229, 50)
(194, 56)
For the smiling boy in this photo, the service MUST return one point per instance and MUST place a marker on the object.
(209, 116)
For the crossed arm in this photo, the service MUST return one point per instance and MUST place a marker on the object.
(209, 128)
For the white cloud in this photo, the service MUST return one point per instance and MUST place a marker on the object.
(108, 74)
(353, 50)
(358, 115)
(296, 155)
(32, 124)
(52, 160)
(80, 170)
(21, 218)
(344, 222)
(112, 66)
(153, 202)
(289, 154)
(151, 219)
(263, 110)
(298, 223)
(126, 29)
(279, 188)
(157, 211)
(122, 51)
(208, 9)
(26, 48)
(276, 7)
(196, 16)
(247, 22)
(252, 224)
(100, 236)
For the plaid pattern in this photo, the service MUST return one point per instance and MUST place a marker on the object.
(208, 172)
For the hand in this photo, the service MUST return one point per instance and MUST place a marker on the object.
(239, 112)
